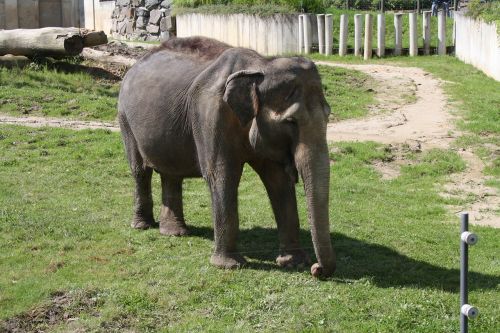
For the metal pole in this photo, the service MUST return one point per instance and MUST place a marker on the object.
(464, 263)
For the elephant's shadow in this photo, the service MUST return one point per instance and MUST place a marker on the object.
(357, 261)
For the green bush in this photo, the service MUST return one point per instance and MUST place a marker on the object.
(309, 6)
(489, 11)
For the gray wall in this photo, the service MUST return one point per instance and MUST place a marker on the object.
(477, 43)
(26, 14)
(272, 35)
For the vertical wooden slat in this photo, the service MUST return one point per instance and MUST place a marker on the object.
(11, 15)
(2, 14)
(28, 14)
(67, 8)
(50, 13)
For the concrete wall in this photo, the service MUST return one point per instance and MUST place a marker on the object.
(98, 14)
(477, 43)
(90, 14)
(272, 35)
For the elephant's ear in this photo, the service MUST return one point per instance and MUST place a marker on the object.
(241, 94)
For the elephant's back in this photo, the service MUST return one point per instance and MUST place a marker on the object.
(153, 100)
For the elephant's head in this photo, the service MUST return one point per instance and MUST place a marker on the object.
(283, 105)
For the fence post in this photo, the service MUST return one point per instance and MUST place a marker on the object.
(442, 33)
(466, 238)
(413, 35)
(426, 27)
(368, 37)
(343, 35)
(380, 35)
(301, 33)
(320, 19)
(328, 34)
(11, 14)
(398, 33)
(307, 34)
(358, 21)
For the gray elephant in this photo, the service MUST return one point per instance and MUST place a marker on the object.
(198, 107)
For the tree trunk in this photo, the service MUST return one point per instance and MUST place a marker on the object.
(52, 42)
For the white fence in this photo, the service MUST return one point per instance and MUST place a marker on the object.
(478, 43)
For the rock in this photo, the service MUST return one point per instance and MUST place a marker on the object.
(123, 14)
(151, 4)
(122, 3)
(122, 27)
(166, 3)
(155, 16)
(141, 22)
(141, 11)
(131, 13)
(151, 38)
(116, 12)
(165, 23)
(135, 3)
(130, 27)
(154, 29)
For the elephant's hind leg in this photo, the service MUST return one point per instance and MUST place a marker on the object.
(143, 200)
(172, 215)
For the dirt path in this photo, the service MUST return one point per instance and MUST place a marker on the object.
(57, 122)
(420, 125)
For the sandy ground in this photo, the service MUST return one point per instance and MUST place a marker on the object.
(425, 123)
(411, 114)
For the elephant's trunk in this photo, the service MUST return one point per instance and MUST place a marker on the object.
(311, 159)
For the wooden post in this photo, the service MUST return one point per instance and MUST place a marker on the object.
(413, 35)
(418, 7)
(328, 34)
(368, 37)
(301, 33)
(343, 35)
(426, 31)
(28, 14)
(11, 15)
(380, 35)
(382, 6)
(307, 34)
(320, 19)
(442, 32)
(358, 21)
(398, 33)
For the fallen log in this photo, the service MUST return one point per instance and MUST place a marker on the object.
(51, 42)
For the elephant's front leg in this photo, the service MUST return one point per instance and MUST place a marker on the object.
(281, 190)
(223, 185)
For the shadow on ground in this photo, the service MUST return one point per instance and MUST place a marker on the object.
(357, 260)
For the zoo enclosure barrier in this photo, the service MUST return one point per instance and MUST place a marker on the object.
(323, 24)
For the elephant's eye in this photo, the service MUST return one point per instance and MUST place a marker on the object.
(291, 94)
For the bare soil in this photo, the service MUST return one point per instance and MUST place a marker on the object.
(62, 308)
(418, 123)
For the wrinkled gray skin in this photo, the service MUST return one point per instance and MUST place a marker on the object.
(189, 111)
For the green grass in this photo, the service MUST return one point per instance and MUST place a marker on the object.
(64, 90)
(84, 94)
(349, 92)
(65, 207)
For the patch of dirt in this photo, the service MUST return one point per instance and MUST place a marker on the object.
(117, 48)
(58, 122)
(419, 116)
(62, 308)
(391, 167)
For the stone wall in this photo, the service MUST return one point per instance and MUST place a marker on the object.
(148, 20)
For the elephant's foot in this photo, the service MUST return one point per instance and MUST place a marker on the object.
(228, 261)
(143, 223)
(293, 258)
(173, 228)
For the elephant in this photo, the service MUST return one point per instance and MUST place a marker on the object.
(196, 107)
